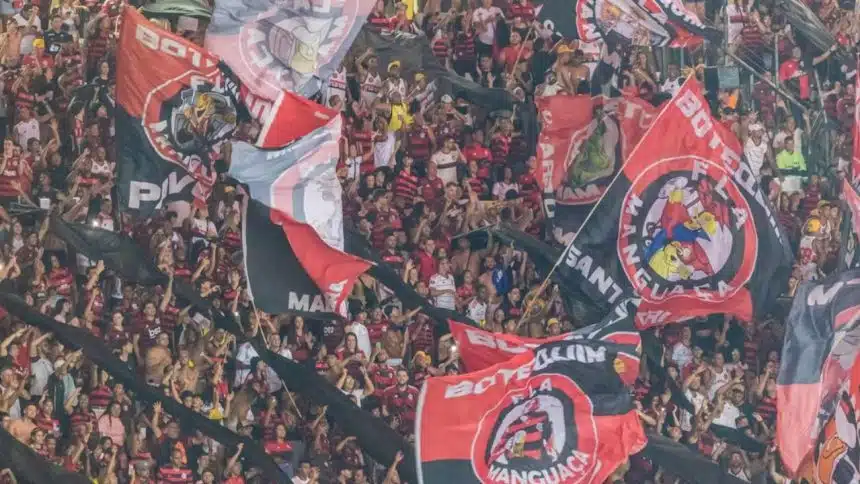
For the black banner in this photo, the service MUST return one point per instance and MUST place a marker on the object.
(100, 354)
(379, 440)
(684, 226)
(29, 467)
(822, 342)
(680, 461)
(269, 258)
(414, 54)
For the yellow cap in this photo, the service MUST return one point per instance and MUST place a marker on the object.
(393, 64)
(39, 43)
(419, 76)
(552, 321)
(564, 49)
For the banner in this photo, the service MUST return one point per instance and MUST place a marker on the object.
(287, 45)
(320, 278)
(174, 115)
(100, 354)
(375, 436)
(619, 21)
(684, 226)
(822, 340)
(557, 413)
(480, 349)
(687, 464)
(849, 258)
(834, 456)
(415, 55)
(815, 34)
(582, 308)
(30, 467)
(185, 8)
(855, 131)
(299, 180)
(567, 122)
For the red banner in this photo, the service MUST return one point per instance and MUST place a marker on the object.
(855, 157)
(566, 123)
(635, 116)
(480, 349)
(558, 413)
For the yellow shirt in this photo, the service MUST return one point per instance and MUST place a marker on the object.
(398, 110)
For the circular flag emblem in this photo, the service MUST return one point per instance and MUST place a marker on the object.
(686, 230)
(186, 118)
(546, 431)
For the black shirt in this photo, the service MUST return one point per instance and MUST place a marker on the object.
(54, 41)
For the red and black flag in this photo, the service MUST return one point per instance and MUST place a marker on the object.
(555, 413)
(822, 342)
(835, 456)
(684, 226)
(850, 229)
(480, 349)
(290, 269)
(177, 105)
(276, 45)
(583, 142)
(636, 22)
(299, 180)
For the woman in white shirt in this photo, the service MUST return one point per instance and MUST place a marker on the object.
(348, 385)
(506, 184)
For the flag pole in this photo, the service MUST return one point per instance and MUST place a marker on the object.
(569, 245)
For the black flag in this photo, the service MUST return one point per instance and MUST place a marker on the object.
(415, 55)
(100, 354)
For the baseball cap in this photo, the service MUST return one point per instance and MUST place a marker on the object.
(447, 99)
(393, 64)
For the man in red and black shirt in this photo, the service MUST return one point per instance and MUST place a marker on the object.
(175, 472)
(400, 400)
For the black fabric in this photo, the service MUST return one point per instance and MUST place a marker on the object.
(581, 308)
(357, 245)
(415, 55)
(268, 257)
(683, 462)
(806, 23)
(373, 434)
(30, 467)
(145, 182)
(849, 256)
(380, 441)
(99, 353)
(118, 252)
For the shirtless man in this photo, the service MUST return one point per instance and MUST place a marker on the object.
(464, 258)
(158, 359)
(570, 69)
(23, 427)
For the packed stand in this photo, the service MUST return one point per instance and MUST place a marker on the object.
(415, 175)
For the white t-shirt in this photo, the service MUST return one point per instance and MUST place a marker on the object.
(672, 86)
(443, 283)
(728, 416)
(755, 154)
(41, 370)
(448, 175)
(501, 188)
(25, 130)
(362, 336)
(488, 37)
(697, 399)
(477, 311)
(717, 382)
(245, 354)
(682, 355)
(382, 150)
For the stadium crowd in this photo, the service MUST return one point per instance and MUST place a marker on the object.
(415, 173)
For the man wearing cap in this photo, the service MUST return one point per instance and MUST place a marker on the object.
(757, 150)
(394, 83)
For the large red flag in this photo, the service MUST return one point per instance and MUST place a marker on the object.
(556, 413)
